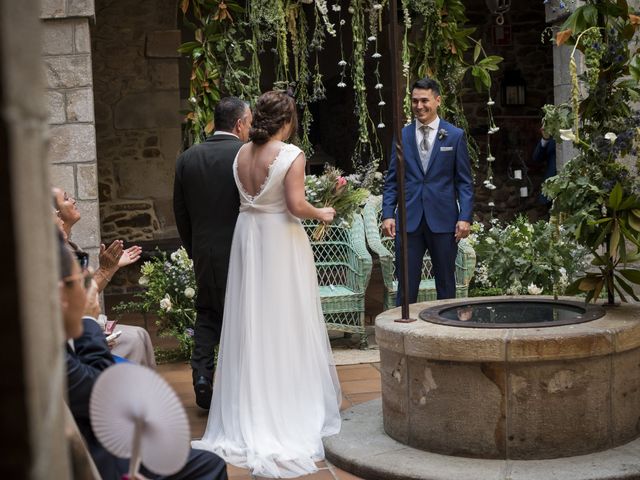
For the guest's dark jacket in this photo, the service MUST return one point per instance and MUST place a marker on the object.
(89, 357)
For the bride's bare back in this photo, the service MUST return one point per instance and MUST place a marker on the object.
(253, 165)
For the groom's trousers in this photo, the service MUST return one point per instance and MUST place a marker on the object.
(211, 279)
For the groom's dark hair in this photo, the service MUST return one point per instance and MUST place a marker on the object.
(227, 113)
(427, 83)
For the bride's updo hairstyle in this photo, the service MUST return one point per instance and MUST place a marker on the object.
(273, 109)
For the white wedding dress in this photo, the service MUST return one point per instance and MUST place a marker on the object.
(276, 392)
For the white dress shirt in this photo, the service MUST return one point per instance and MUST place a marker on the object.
(222, 132)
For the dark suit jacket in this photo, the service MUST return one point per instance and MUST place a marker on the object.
(444, 193)
(206, 203)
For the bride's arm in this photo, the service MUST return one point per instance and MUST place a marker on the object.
(295, 197)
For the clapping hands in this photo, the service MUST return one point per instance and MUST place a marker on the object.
(129, 256)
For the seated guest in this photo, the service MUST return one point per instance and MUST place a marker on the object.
(134, 343)
(87, 356)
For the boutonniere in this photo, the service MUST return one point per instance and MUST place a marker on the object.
(442, 133)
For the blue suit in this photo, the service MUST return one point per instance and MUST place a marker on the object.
(435, 201)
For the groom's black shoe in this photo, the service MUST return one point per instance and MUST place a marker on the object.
(203, 391)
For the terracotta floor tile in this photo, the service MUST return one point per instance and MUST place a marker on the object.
(357, 398)
(232, 470)
(364, 372)
(342, 475)
(361, 386)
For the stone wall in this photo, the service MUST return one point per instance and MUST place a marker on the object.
(138, 123)
(66, 49)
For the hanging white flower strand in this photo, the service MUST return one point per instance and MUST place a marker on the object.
(342, 63)
(375, 22)
(493, 128)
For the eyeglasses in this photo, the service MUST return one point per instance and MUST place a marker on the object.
(86, 276)
(83, 259)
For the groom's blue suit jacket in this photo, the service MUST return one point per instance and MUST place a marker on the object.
(444, 193)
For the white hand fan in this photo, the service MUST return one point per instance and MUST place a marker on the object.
(135, 414)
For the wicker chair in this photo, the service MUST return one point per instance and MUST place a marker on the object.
(344, 268)
(384, 247)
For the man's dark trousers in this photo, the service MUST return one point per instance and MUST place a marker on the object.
(206, 204)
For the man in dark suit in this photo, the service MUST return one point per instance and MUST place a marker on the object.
(438, 192)
(205, 204)
(545, 152)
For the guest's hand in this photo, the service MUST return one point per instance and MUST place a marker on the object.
(389, 227)
(110, 256)
(129, 256)
(462, 230)
(326, 214)
(92, 304)
(111, 343)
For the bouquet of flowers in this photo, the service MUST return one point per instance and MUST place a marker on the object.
(169, 292)
(332, 189)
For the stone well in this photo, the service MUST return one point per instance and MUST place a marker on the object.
(511, 393)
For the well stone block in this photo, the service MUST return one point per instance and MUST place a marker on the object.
(72, 143)
(395, 385)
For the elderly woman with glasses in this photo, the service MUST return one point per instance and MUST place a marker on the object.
(134, 343)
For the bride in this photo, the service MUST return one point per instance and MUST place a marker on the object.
(276, 391)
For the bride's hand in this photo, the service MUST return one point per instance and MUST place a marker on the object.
(326, 214)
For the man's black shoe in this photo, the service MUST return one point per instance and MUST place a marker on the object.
(203, 391)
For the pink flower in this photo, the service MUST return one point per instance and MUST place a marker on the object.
(342, 181)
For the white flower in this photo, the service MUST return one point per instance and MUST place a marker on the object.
(342, 63)
(193, 100)
(342, 85)
(342, 22)
(165, 303)
(490, 186)
(493, 130)
(533, 289)
(381, 103)
(372, 38)
(491, 204)
(175, 256)
(377, 6)
(381, 125)
(567, 135)
(378, 86)
(144, 281)
(189, 292)
(490, 158)
(336, 8)
(490, 241)
(610, 136)
(376, 55)
(491, 102)
(351, 10)
(378, 175)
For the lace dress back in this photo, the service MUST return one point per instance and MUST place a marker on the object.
(276, 392)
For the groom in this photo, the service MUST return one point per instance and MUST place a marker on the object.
(438, 192)
(205, 204)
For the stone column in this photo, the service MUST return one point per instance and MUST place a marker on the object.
(69, 82)
(32, 362)
(555, 16)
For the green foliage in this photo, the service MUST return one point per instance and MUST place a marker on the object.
(521, 258)
(169, 292)
(596, 194)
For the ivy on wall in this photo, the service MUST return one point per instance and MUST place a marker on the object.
(231, 38)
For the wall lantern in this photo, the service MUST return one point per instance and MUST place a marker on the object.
(499, 8)
(513, 89)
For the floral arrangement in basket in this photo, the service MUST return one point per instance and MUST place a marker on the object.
(169, 292)
(332, 189)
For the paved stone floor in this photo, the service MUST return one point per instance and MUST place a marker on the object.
(360, 383)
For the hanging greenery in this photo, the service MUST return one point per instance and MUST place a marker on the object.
(231, 37)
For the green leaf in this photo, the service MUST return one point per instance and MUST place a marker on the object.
(573, 288)
(615, 198)
(590, 14)
(631, 274)
(614, 240)
(476, 52)
(634, 222)
(627, 288)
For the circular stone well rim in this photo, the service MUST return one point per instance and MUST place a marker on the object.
(433, 314)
